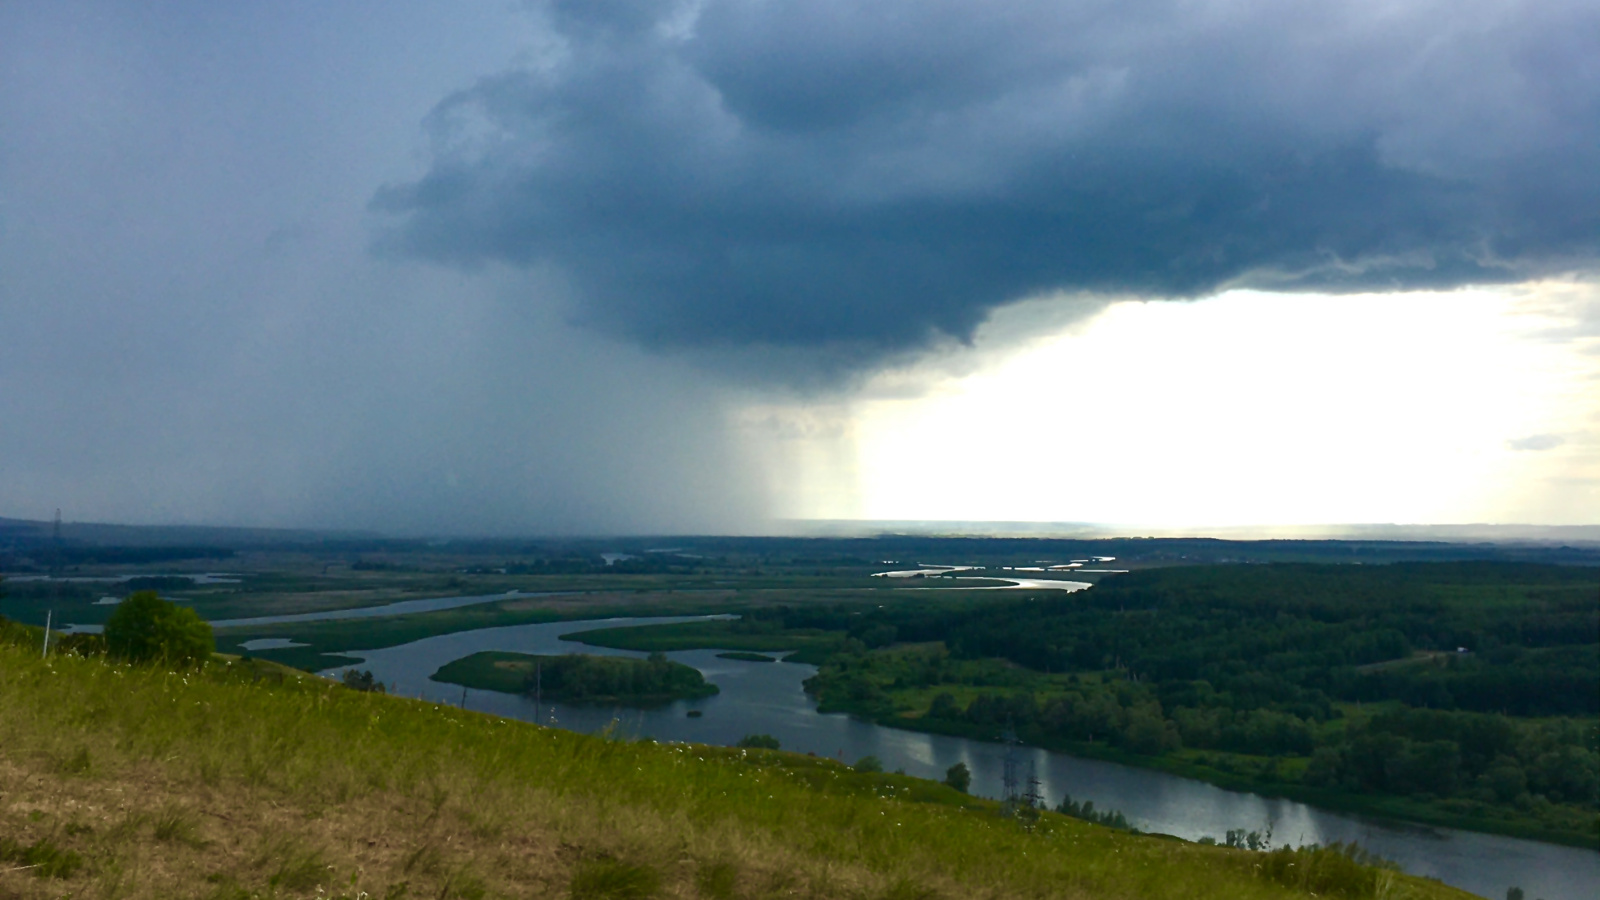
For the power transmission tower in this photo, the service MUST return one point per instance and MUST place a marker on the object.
(1034, 798)
(1010, 797)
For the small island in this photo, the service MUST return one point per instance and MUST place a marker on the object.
(579, 678)
(746, 656)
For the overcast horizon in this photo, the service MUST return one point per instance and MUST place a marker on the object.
(714, 266)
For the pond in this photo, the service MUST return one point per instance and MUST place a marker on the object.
(767, 698)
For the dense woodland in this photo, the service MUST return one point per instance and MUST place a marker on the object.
(1472, 686)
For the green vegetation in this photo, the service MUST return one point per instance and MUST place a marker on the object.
(241, 780)
(1462, 694)
(1459, 693)
(362, 680)
(758, 742)
(332, 637)
(1456, 693)
(1110, 818)
(868, 764)
(746, 657)
(959, 777)
(1340, 870)
(42, 858)
(146, 628)
(579, 678)
(752, 632)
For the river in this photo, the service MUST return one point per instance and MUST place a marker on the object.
(767, 698)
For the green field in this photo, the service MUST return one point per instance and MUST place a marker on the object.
(245, 780)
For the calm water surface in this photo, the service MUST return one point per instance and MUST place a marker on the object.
(768, 698)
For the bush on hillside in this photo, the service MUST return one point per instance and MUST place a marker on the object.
(363, 681)
(758, 741)
(1338, 870)
(146, 628)
(959, 777)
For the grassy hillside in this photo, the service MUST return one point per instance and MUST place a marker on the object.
(248, 780)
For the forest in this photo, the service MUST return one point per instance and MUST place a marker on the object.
(1469, 688)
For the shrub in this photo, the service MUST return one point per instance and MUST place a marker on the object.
(869, 764)
(959, 777)
(758, 741)
(363, 681)
(146, 628)
(1340, 870)
(1110, 818)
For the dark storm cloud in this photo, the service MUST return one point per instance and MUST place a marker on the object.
(810, 173)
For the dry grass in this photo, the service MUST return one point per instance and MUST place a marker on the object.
(222, 786)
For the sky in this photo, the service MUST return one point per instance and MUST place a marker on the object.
(716, 265)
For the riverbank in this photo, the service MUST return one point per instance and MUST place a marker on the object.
(1393, 809)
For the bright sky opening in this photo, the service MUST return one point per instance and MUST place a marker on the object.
(1240, 409)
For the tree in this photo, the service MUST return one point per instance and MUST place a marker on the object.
(959, 777)
(869, 764)
(944, 706)
(146, 628)
(363, 681)
(758, 742)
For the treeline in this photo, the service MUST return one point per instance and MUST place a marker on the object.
(1547, 770)
(1511, 638)
(1493, 759)
(579, 678)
